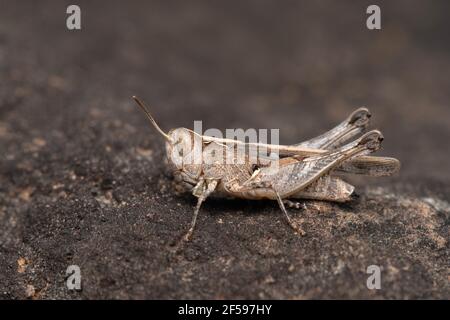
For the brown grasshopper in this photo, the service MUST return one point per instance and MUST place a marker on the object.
(307, 170)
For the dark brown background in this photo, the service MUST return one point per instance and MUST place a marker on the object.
(82, 177)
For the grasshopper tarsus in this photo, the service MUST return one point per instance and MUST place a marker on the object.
(300, 231)
(188, 236)
(294, 204)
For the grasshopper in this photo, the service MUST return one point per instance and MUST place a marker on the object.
(308, 170)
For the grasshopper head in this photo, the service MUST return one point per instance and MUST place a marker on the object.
(184, 151)
(183, 148)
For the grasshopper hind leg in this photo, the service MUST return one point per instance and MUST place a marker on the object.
(294, 175)
(355, 124)
(327, 188)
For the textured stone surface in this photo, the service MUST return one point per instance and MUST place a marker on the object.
(82, 178)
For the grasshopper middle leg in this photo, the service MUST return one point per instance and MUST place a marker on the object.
(288, 218)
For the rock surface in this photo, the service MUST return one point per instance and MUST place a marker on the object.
(82, 179)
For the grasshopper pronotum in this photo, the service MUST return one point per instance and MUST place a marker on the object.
(302, 171)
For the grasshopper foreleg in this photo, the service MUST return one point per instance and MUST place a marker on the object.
(202, 190)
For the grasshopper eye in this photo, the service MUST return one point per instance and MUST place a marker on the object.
(179, 148)
(179, 151)
(177, 142)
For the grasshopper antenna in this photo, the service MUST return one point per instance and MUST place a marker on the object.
(149, 116)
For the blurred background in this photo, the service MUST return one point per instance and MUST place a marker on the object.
(299, 66)
(69, 130)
